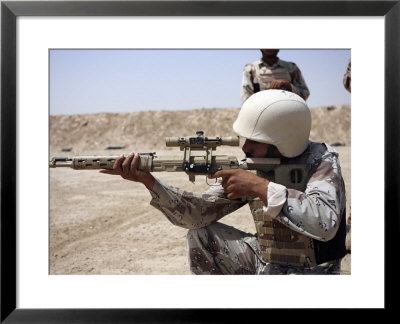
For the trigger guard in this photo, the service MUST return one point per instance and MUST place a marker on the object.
(216, 179)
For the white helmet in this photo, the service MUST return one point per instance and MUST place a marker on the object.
(276, 117)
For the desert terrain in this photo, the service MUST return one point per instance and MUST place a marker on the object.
(102, 224)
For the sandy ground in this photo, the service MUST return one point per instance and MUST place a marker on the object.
(101, 224)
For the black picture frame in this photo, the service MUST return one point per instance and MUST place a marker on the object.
(10, 10)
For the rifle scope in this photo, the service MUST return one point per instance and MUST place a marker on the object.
(200, 141)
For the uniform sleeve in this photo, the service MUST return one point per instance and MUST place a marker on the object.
(190, 210)
(347, 78)
(299, 86)
(317, 211)
(247, 83)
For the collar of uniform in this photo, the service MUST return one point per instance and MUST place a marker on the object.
(277, 63)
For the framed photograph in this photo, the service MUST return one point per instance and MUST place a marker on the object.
(34, 32)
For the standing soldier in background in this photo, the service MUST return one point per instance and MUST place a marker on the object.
(347, 78)
(347, 85)
(270, 72)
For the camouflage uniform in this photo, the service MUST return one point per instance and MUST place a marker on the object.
(347, 78)
(287, 229)
(258, 76)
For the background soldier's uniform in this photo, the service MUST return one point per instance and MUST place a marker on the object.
(347, 86)
(347, 78)
(298, 232)
(258, 76)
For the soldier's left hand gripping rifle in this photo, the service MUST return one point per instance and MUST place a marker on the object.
(274, 169)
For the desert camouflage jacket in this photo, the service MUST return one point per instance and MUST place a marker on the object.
(258, 76)
(347, 78)
(315, 213)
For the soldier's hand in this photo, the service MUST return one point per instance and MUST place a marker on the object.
(281, 84)
(242, 184)
(126, 167)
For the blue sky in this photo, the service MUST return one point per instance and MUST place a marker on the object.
(93, 81)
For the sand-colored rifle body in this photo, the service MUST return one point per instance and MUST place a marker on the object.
(291, 175)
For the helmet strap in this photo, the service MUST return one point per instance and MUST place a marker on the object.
(272, 151)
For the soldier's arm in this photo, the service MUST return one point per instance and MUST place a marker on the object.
(317, 211)
(190, 210)
(299, 86)
(247, 83)
(347, 78)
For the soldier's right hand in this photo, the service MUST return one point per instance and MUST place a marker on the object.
(126, 167)
(281, 84)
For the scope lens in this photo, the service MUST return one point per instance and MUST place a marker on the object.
(196, 140)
